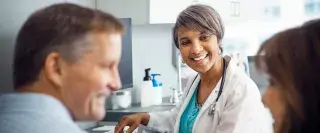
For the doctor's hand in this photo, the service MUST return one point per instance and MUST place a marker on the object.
(133, 121)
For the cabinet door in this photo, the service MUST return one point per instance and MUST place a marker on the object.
(166, 11)
(236, 11)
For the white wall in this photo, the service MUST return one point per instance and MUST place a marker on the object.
(152, 48)
(136, 9)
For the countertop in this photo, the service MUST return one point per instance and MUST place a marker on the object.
(108, 127)
(116, 115)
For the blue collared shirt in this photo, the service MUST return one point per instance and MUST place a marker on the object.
(34, 113)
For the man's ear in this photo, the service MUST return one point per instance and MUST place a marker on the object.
(53, 69)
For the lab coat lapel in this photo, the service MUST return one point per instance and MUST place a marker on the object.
(213, 95)
(191, 87)
(207, 105)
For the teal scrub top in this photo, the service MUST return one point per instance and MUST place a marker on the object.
(190, 114)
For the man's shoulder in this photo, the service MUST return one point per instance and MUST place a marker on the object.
(28, 114)
(34, 123)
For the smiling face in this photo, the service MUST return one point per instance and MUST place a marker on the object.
(199, 50)
(86, 84)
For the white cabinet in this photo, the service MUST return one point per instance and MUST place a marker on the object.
(144, 11)
(231, 11)
(236, 11)
(166, 11)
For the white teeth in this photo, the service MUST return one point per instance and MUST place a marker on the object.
(200, 58)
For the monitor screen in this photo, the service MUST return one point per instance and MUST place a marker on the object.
(258, 77)
(125, 66)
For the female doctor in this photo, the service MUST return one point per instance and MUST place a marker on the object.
(220, 99)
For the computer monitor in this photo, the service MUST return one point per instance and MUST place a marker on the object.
(125, 66)
(257, 76)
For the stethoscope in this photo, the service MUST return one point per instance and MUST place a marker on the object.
(213, 105)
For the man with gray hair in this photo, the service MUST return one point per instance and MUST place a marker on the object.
(65, 66)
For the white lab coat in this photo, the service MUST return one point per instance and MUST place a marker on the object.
(239, 109)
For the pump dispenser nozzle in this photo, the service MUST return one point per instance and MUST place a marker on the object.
(154, 81)
(147, 75)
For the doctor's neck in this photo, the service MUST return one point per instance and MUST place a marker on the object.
(213, 75)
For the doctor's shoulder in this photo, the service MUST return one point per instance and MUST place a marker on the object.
(240, 81)
(242, 102)
(241, 88)
(244, 98)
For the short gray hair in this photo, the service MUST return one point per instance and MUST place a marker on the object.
(201, 18)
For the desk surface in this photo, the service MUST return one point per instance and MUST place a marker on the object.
(106, 127)
(116, 115)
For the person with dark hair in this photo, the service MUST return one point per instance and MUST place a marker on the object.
(65, 66)
(291, 59)
(221, 98)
